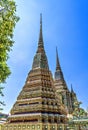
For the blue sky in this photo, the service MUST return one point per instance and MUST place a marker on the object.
(65, 25)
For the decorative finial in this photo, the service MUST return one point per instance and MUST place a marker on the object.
(40, 42)
(72, 91)
(41, 19)
(57, 61)
(40, 36)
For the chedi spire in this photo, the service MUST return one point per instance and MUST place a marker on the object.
(40, 42)
(40, 59)
(57, 61)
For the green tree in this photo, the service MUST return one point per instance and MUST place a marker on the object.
(8, 20)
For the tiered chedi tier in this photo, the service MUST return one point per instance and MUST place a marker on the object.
(61, 86)
(37, 102)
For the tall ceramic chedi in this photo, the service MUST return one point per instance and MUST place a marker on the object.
(37, 107)
(68, 98)
(61, 87)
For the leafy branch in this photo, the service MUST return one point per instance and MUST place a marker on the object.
(8, 20)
